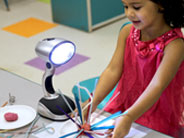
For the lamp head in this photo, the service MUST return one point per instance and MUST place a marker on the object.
(56, 51)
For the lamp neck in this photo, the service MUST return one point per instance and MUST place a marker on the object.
(47, 85)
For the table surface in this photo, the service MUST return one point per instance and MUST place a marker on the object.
(29, 93)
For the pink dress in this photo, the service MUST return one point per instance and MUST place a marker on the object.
(140, 64)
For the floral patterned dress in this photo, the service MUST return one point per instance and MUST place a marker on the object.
(140, 64)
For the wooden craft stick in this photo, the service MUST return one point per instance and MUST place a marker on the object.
(69, 134)
(117, 114)
(87, 91)
(4, 104)
(68, 116)
(79, 133)
(90, 110)
(80, 101)
(79, 108)
(101, 111)
(91, 105)
(96, 133)
(87, 117)
(31, 126)
(103, 127)
(18, 132)
(67, 103)
(3, 131)
(87, 134)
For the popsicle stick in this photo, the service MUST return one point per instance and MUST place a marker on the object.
(31, 126)
(117, 114)
(87, 134)
(91, 105)
(76, 96)
(3, 131)
(87, 117)
(96, 81)
(79, 133)
(67, 135)
(111, 117)
(84, 88)
(67, 103)
(89, 94)
(101, 111)
(80, 101)
(79, 109)
(68, 115)
(103, 127)
(4, 104)
(96, 133)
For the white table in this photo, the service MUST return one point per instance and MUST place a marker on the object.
(29, 93)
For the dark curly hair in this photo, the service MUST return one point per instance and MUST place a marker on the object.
(173, 11)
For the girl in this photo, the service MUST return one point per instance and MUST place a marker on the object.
(148, 65)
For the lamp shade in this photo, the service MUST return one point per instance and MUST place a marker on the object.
(57, 51)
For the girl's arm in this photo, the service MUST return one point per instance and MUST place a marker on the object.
(112, 73)
(172, 59)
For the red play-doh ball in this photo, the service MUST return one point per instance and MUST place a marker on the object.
(10, 117)
(86, 127)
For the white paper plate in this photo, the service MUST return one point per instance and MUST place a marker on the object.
(26, 115)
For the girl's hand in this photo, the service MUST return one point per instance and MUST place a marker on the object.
(84, 111)
(122, 127)
(82, 105)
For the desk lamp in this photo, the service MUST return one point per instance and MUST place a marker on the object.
(55, 52)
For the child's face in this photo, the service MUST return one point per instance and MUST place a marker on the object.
(142, 13)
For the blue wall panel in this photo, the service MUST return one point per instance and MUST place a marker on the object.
(103, 10)
(74, 12)
(70, 12)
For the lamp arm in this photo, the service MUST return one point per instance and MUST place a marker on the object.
(49, 92)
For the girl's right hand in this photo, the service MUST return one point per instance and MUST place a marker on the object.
(122, 127)
(85, 110)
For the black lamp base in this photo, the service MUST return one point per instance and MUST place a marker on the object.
(48, 108)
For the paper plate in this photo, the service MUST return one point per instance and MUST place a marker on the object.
(26, 115)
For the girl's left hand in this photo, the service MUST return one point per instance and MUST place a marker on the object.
(122, 127)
